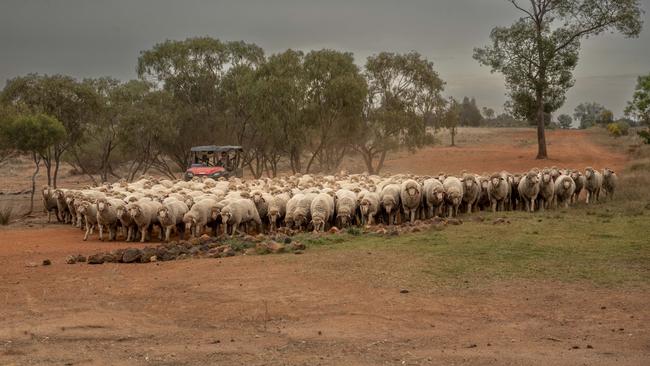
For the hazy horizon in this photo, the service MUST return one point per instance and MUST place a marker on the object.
(93, 39)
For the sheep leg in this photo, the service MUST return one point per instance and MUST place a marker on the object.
(168, 231)
(101, 232)
(532, 205)
(87, 232)
(143, 234)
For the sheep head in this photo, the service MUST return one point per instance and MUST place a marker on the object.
(589, 172)
(532, 178)
(546, 177)
(102, 205)
(135, 210)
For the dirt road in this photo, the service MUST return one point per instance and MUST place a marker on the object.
(292, 310)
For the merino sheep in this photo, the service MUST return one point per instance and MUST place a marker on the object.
(593, 184)
(50, 204)
(546, 190)
(129, 228)
(515, 198)
(89, 213)
(564, 188)
(62, 206)
(277, 210)
(411, 197)
(433, 197)
(579, 181)
(237, 212)
(390, 202)
(198, 216)
(528, 190)
(498, 190)
(292, 204)
(301, 213)
(145, 215)
(107, 217)
(471, 192)
(170, 216)
(346, 207)
(610, 181)
(261, 201)
(453, 194)
(322, 211)
(369, 207)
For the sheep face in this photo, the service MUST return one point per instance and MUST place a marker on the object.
(546, 177)
(607, 172)
(257, 197)
(135, 211)
(575, 175)
(566, 184)
(364, 205)
(532, 178)
(589, 172)
(495, 181)
(163, 213)
(121, 211)
(102, 205)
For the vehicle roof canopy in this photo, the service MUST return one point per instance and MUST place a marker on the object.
(215, 148)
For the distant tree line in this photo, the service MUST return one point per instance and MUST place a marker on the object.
(304, 110)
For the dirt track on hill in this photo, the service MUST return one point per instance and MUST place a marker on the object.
(511, 151)
(292, 310)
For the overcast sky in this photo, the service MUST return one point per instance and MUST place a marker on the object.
(86, 38)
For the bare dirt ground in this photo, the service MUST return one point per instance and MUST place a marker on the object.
(494, 149)
(305, 309)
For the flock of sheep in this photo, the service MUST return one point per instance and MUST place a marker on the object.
(309, 202)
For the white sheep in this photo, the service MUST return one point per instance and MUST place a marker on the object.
(277, 209)
(528, 190)
(564, 188)
(498, 190)
(237, 212)
(322, 211)
(610, 181)
(301, 213)
(198, 216)
(129, 228)
(89, 214)
(389, 199)
(368, 206)
(453, 194)
(593, 184)
(546, 190)
(170, 216)
(145, 215)
(579, 181)
(433, 197)
(50, 203)
(107, 216)
(411, 198)
(471, 192)
(291, 208)
(346, 207)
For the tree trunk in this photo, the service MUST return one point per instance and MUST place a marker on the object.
(37, 161)
(452, 131)
(541, 133)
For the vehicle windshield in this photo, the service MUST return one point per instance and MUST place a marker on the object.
(211, 159)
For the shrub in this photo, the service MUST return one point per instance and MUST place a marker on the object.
(5, 215)
(617, 129)
(645, 135)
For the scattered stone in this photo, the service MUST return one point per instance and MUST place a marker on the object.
(575, 347)
(147, 253)
(71, 259)
(153, 258)
(131, 255)
(250, 251)
(589, 346)
(81, 258)
(393, 232)
(477, 218)
(205, 238)
(262, 248)
(287, 240)
(96, 259)
(501, 220)
(403, 291)
(31, 264)
(47, 262)
(473, 345)
(454, 221)
(298, 252)
(334, 230)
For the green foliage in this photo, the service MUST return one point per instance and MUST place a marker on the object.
(645, 136)
(469, 113)
(404, 94)
(34, 133)
(62, 97)
(538, 53)
(591, 114)
(639, 106)
(618, 129)
(565, 121)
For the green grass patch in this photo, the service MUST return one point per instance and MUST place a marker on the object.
(575, 247)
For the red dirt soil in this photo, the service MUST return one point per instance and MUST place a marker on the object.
(511, 150)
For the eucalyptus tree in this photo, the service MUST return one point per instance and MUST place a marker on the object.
(403, 93)
(538, 53)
